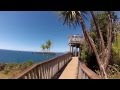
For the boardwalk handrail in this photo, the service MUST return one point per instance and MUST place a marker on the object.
(46, 69)
(86, 73)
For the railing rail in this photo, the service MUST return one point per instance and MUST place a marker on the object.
(86, 73)
(45, 70)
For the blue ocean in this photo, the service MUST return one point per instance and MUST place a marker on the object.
(10, 56)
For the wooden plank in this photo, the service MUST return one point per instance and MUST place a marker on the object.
(70, 71)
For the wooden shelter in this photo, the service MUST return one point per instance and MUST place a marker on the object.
(74, 42)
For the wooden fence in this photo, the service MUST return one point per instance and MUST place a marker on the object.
(45, 70)
(85, 73)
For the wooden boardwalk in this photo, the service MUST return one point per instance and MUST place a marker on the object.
(71, 70)
(61, 67)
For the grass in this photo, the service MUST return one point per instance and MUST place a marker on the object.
(13, 69)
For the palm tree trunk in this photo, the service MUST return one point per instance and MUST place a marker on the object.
(92, 44)
(89, 39)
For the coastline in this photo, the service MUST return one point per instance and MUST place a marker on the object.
(12, 56)
(43, 52)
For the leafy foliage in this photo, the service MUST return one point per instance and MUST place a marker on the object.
(116, 51)
(89, 58)
(43, 47)
(47, 45)
(72, 18)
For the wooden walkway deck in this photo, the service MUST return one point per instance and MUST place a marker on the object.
(71, 70)
(78, 70)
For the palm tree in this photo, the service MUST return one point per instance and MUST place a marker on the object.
(43, 47)
(75, 18)
(49, 43)
(47, 47)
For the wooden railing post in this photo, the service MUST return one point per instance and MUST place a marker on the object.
(37, 72)
(40, 74)
(58, 66)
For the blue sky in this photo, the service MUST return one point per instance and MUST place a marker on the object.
(28, 30)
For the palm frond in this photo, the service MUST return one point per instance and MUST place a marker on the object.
(72, 18)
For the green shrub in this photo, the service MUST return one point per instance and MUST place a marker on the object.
(10, 66)
(26, 64)
(88, 57)
(84, 53)
(115, 58)
(29, 63)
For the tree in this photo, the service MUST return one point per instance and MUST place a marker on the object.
(75, 18)
(105, 49)
(49, 43)
(47, 47)
(43, 47)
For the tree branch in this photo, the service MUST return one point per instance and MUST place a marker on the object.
(98, 30)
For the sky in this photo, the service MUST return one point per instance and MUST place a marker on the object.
(28, 30)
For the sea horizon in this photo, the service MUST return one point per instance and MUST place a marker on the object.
(16, 56)
(33, 51)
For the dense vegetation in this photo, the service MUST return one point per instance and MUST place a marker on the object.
(113, 69)
(116, 50)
